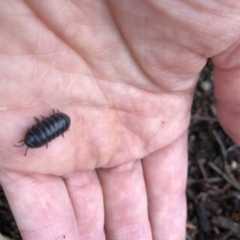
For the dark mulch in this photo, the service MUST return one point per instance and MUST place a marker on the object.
(213, 193)
(8, 225)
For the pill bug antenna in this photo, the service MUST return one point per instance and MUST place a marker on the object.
(19, 145)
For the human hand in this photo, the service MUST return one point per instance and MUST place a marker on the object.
(125, 73)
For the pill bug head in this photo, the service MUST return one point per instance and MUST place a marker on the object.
(31, 141)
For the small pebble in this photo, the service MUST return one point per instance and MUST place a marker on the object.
(206, 86)
(234, 165)
(192, 138)
(213, 110)
(199, 94)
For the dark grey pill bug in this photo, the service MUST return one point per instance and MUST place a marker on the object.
(46, 130)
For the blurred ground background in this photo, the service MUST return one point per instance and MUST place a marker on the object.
(213, 191)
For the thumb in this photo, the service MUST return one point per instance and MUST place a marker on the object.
(227, 93)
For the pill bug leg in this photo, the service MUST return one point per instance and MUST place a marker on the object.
(26, 151)
(37, 120)
(56, 111)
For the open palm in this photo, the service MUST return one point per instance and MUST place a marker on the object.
(125, 72)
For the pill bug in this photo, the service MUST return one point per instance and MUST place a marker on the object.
(46, 130)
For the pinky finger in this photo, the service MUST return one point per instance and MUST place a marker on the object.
(41, 206)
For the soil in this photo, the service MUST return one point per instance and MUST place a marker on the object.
(213, 191)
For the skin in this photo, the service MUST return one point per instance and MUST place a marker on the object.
(125, 72)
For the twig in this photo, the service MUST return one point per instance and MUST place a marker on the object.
(207, 183)
(226, 223)
(188, 237)
(227, 169)
(204, 118)
(224, 175)
(202, 169)
(191, 226)
(213, 187)
(220, 142)
(209, 180)
(225, 156)
(233, 147)
(200, 209)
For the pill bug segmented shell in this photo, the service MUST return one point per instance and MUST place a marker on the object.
(45, 130)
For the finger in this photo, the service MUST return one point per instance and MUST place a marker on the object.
(41, 206)
(165, 175)
(86, 195)
(125, 202)
(227, 93)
